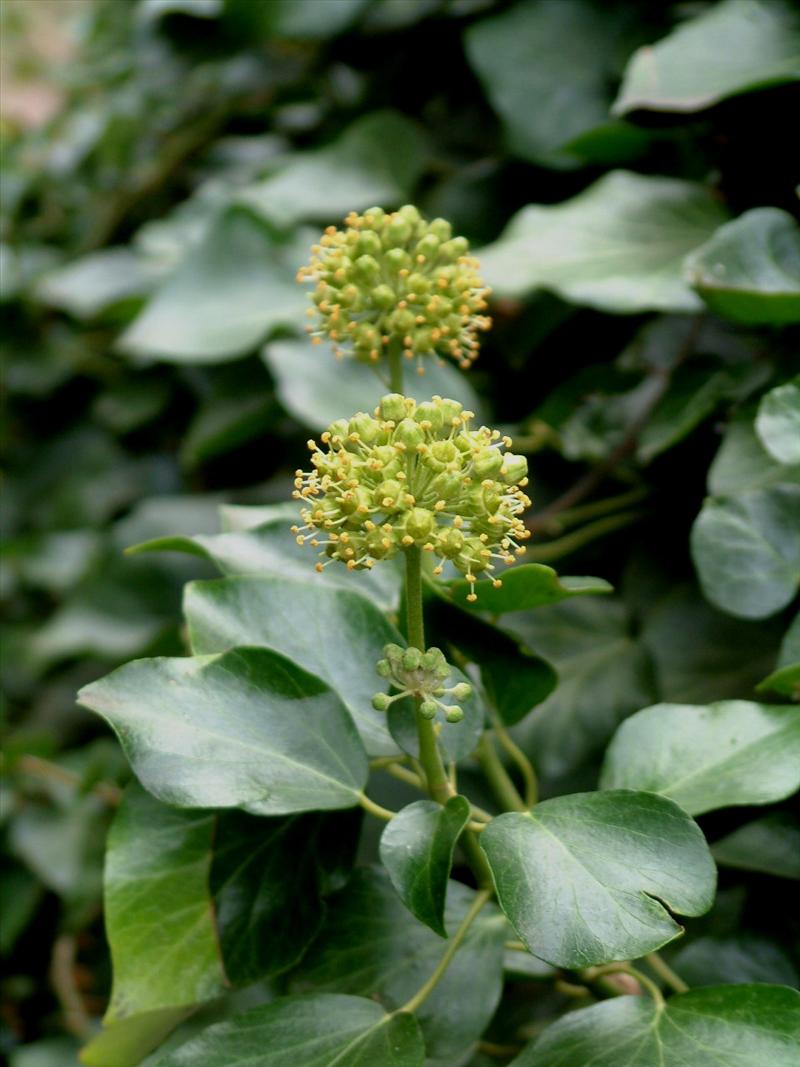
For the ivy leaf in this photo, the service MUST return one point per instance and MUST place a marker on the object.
(703, 758)
(618, 246)
(731, 48)
(377, 160)
(372, 946)
(270, 549)
(719, 1026)
(737, 960)
(749, 270)
(785, 679)
(318, 1030)
(224, 298)
(417, 848)
(317, 388)
(335, 634)
(521, 54)
(747, 550)
(529, 586)
(89, 285)
(743, 463)
(770, 844)
(778, 422)
(246, 728)
(588, 878)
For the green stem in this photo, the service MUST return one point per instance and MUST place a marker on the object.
(598, 508)
(497, 776)
(523, 763)
(395, 366)
(666, 973)
(425, 990)
(626, 968)
(375, 809)
(578, 538)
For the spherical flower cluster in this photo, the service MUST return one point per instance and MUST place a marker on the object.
(395, 278)
(414, 475)
(421, 675)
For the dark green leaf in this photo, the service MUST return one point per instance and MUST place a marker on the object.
(528, 586)
(770, 844)
(720, 1026)
(225, 422)
(246, 728)
(224, 298)
(337, 635)
(747, 550)
(749, 270)
(734, 960)
(733, 752)
(417, 851)
(617, 246)
(316, 1031)
(372, 946)
(588, 878)
(732, 47)
(317, 388)
(778, 421)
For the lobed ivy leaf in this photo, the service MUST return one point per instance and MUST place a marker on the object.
(732, 47)
(588, 878)
(315, 1031)
(719, 1026)
(618, 246)
(530, 585)
(416, 848)
(335, 634)
(770, 844)
(778, 418)
(703, 758)
(372, 946)
(749, 270)
(746, 549)
(246, 728)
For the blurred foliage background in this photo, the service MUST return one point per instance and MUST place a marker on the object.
(167, 163)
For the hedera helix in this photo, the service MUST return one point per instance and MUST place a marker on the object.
(584, 883)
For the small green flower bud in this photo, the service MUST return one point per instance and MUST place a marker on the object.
(369, 243)
(441, 228)
(454, 713)
(411, 660)
(383, 296)
(388, 493)
(410, 214)
(451, 412)
(365, 426)
(514, 469)
(397, 259)
(393, 407)
(381, 701)
(462, 691)
(408, 433)
(394, 653)
(427, 709)
(339, 428)
(383, 668)
(397, 232)
(366, 268)
(487, 463)
(429, 412)
(428, 246)
(450, 542)
(420, 524)
(454, 248)
(433, 659)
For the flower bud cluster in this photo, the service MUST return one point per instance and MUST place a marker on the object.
(414, 475)
(396, 278)
(421, 675)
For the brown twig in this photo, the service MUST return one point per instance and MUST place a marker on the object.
(42, 768)
(62, 979)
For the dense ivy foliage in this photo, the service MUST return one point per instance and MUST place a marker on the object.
(207, 882)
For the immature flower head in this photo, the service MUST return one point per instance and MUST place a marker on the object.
(414, 475)
(395, 278)
(421, 675)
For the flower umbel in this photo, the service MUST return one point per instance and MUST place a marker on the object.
(396, 279)
(421, 675)
(414, 475)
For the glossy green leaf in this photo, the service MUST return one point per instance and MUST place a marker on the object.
(770, 844)
(271, 550)
(521, 55)
(315, 1031)
(731, 47)
(89, 285)
(604, 675)
(731, 753)
(417, 848)
(127, 1041)
(317, 388)
(618, 246)
(377, 160)
(157, 907)
(246, 728)
(747, 550)
(778, 421)
(719, 1026)
(734, 960)
(335, 634)
(588, 878)
(743, 463)
(372, 946)
(530, 585)
(224, 298)
(749, 270)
